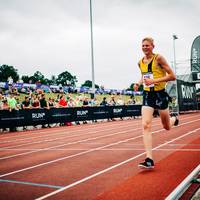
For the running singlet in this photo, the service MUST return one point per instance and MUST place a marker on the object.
(152, 71)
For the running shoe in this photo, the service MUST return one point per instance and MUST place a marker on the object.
(176, 120)
(147, 164)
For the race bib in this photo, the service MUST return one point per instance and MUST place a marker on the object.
(148, 75)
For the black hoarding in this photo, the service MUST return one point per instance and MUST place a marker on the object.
(61, 115)
(187, 96)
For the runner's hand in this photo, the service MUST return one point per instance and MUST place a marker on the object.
(135, 87)
(148, 81)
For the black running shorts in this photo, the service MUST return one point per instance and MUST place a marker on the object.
(156, 99)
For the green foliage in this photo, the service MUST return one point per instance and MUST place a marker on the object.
(37, 76)
(6, 71)
(88, 83)
(65, 78)
(25, 79)
(53, 80)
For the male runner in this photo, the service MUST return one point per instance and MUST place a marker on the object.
(155, 74)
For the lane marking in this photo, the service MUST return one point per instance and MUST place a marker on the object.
(60, 138)
(30, 183)
(67, 157)
(70, 143)
(81, 153)
(26, 153)
(62, 132)
(112, 167)
(72, 131)
(116, 149)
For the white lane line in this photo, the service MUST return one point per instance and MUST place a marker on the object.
(116, 149)
(65, 137)
(78, 154)
(61, 132)
(76, 142)
(30, 183)
(26, 153)
(59, 138)
(55, 139)
(70, 143)
(112, 167)
(184, 144)
(67, 157)
(131, 123)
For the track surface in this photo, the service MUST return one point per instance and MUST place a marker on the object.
(97, 161)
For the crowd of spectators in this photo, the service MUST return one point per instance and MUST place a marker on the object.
(12, 100)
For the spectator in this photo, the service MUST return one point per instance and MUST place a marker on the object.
(5, 105)
(78, 101)
(18, 103)
(71, 102)
(85, 104)
(120, 101)
(51, 103)
(1, 100)
(93, 102)
(131, 101)
(112, 102)
(104, 102)
(10, 82)
(43, 102)
(12, 103)
(35, 102)
(62, 102)
(26, 104)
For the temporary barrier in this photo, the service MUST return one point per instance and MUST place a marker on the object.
(187, 98)
(17, 118)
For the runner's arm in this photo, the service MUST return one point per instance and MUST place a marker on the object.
(170, 74)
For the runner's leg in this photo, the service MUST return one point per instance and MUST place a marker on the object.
(147, 116)
(166, 120)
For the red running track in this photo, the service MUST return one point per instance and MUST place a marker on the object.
(96, 161)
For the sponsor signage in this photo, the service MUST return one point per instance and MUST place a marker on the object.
(196, 76)
(187, 96)
(195, 55)
(38, 116)
(61, 115)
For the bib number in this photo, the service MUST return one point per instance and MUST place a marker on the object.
(150, 76)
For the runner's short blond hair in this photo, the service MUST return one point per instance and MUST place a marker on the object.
(149, 39)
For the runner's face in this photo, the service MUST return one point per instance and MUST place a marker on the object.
(147, 47)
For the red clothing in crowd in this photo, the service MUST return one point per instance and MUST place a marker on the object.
(62, 102)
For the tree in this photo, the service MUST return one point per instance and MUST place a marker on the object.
(53, 80)
(6, 71)
(88, 83)
(38, 76)
(25, 79)
(65, 78)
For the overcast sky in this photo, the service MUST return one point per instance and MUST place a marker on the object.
(53, 36)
